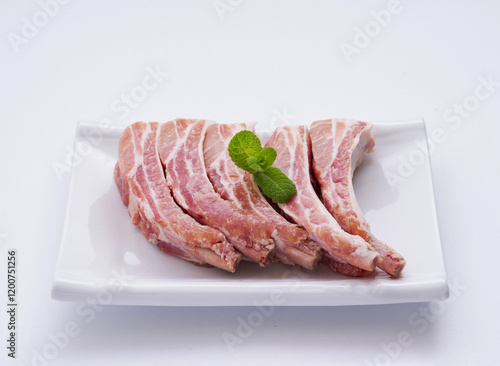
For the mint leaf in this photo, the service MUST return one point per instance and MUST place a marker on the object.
(254, 165)
(275, 184)
(266, 157)
(244, 145)
(247, 153)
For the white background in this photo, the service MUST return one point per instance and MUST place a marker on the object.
(260, 57)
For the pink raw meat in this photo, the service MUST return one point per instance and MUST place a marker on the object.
(293, 146)
(140, 179)
(180, 145)
(293, 245)
(338, 147)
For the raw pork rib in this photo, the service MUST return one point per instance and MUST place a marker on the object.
(180, 144)
(292, 144)
(140, 180)
(338, 147)
(293, 245)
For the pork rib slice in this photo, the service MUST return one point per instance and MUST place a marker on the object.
(140, 180)
(338, 147)
(293, 245)
(292, 144)
(180, 145)
(341, 266)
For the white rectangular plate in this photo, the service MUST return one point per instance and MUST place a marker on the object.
(106, 259)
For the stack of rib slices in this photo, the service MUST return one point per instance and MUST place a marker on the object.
(190, 200)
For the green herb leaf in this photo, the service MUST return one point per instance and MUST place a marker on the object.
(244, 145)
(275, 184)
(247, 153)
(253, 164)
(266, 157)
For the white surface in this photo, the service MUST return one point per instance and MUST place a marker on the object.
(102, 252)
(263, 56)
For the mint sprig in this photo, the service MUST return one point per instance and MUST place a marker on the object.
(247, 153)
